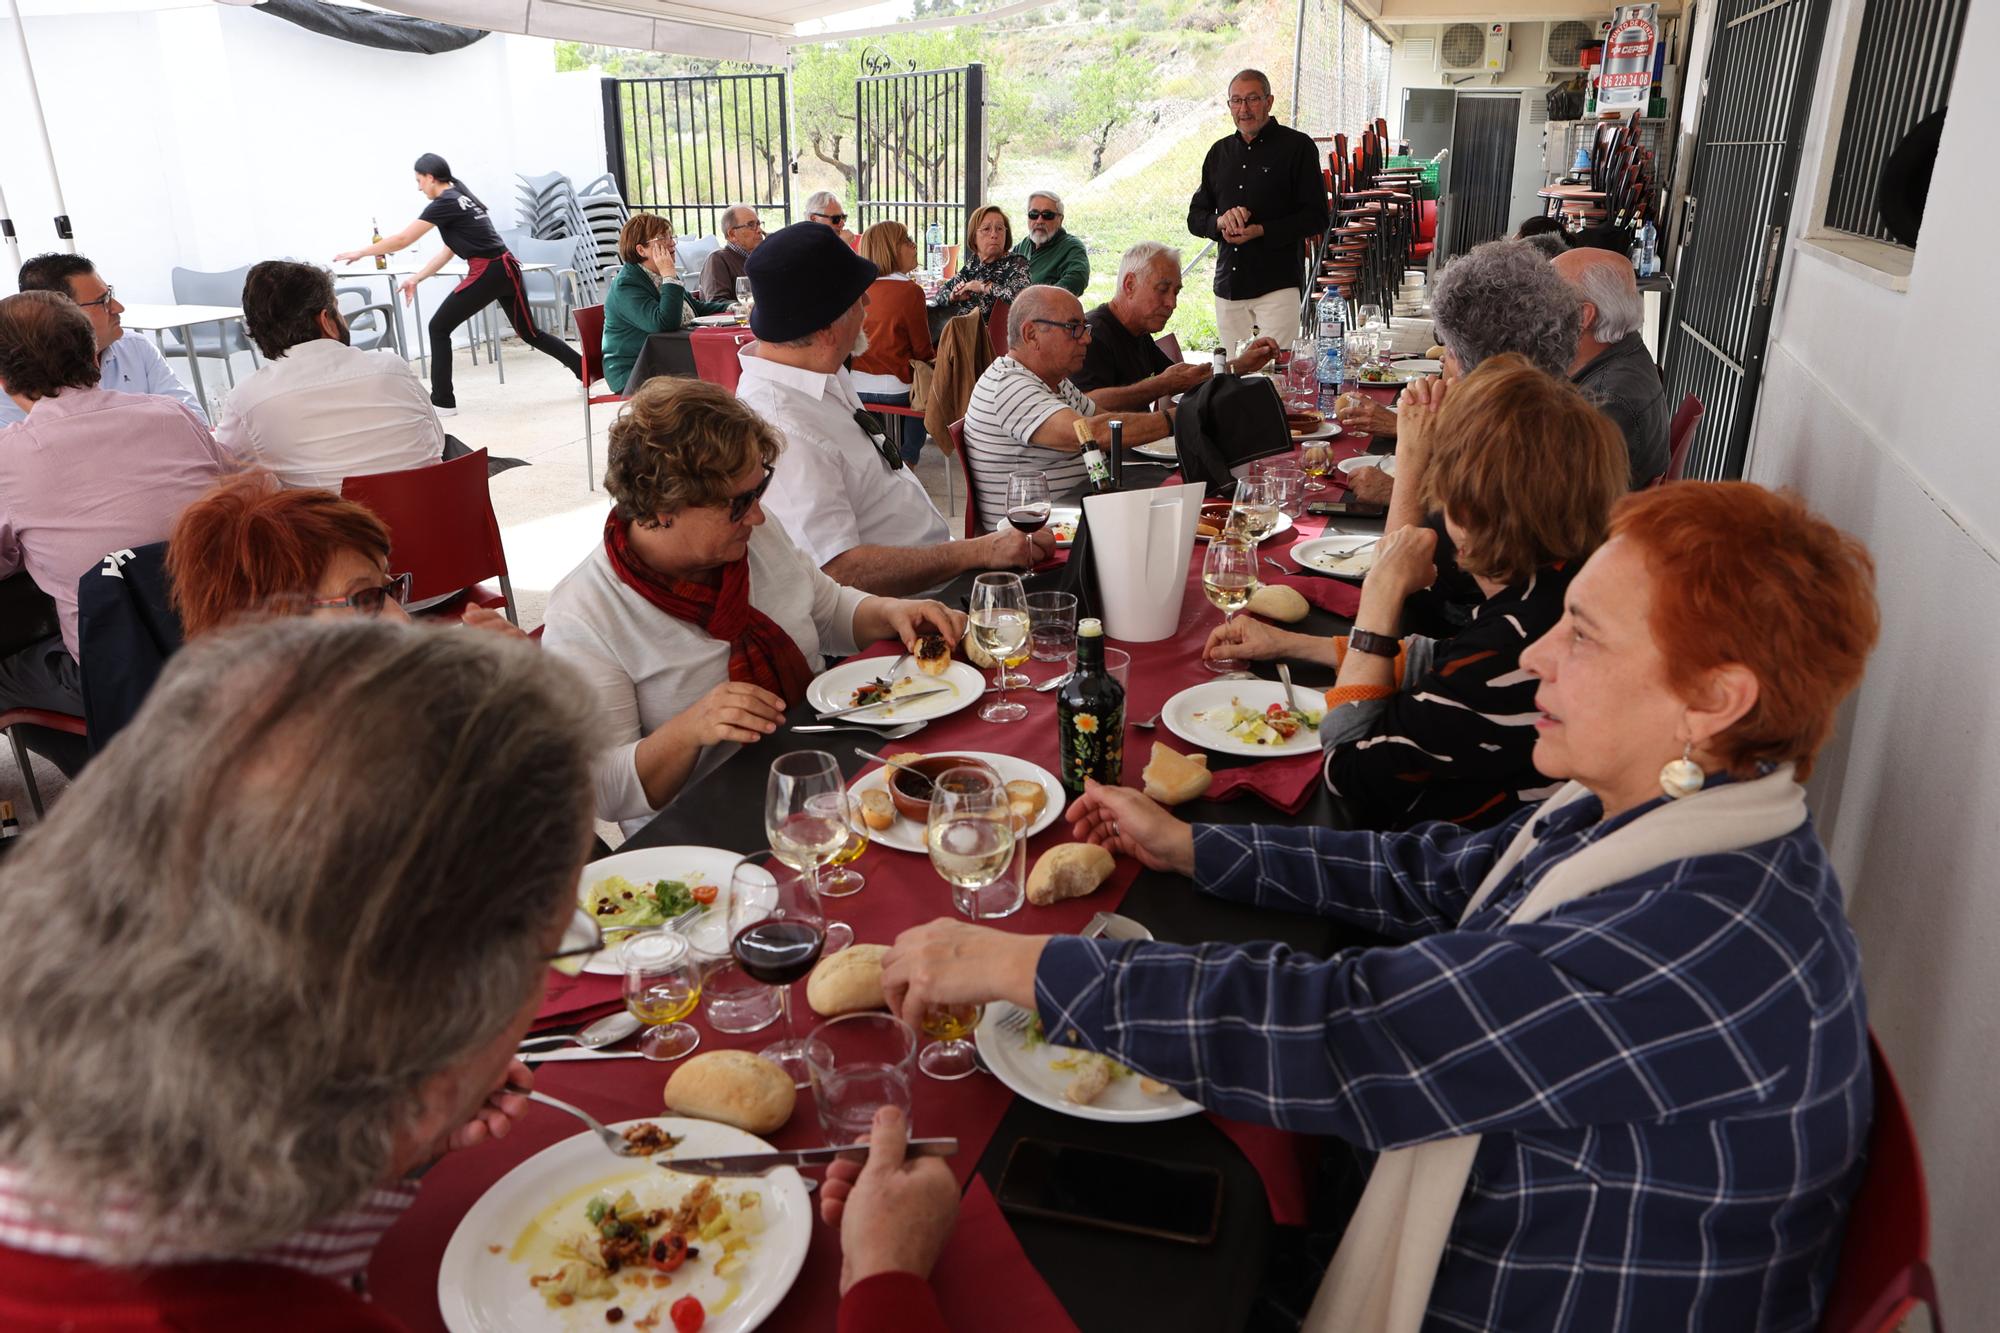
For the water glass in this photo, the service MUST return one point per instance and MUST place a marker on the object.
(1288, 485)
(857, 1064)
(734, 1001)
(1052, 625)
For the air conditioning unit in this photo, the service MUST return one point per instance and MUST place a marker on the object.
(1562, 45)
(1472, 48)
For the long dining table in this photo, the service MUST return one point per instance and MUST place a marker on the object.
(999, 1271)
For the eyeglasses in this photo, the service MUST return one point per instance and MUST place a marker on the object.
(1075, 328)
(754, 224)
(837, 219)
(739, 505)
(581, 938)
(369, 601)
(1252, 100)
(1042, 215)
(102, 300)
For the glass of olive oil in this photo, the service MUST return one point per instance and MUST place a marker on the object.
(950, 1056)
(662, 987)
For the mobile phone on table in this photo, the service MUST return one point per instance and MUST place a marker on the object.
(1347, 509)
(1116, 1192)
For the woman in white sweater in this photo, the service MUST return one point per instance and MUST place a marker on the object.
(697, 621)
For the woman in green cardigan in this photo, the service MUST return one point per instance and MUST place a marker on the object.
(645, 298)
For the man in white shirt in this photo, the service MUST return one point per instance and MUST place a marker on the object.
(1023, 411)
(840, 490)
(322, 411)
(126, 362)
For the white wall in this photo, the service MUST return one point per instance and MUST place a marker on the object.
(213, 136)
(1878, 407)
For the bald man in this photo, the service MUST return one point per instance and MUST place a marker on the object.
(1612, 365)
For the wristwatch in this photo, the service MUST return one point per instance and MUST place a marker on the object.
(1367, 641)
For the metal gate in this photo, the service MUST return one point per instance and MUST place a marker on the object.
(687, 147)
(1758, 84)
(1483, 135)
(920, 149)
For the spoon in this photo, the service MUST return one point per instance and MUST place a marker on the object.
(887, 762)
(605, 1031)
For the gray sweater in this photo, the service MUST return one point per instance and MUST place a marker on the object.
(1625, 385)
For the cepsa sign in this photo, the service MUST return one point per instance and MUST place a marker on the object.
(1626, 77)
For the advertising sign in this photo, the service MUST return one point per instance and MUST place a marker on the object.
(1626, 78)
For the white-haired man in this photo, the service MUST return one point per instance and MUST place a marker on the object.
(1055, 258)
(1123, 367)
(1612, 365)
(824, 207)
(741, 232)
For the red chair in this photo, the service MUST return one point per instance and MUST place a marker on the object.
(715, 355)
(972, 528)
(442, 531)
(1427, 229)
(15, 718)
(996, 327)
(1885, 1269)
(1680, 434)
(590, 330)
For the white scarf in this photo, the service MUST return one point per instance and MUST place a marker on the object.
(1380, 1279)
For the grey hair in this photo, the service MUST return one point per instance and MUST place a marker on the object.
(318, 870)
(1549, 243)
(1504, 297)
(1049, 195)
(732, 215)
(1033, 303)
(1140, 256)
(1252, 76)
(817, 201)
(1615, 292)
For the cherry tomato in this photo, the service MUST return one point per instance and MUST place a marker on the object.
(668, 1253)
(688, 1315)
(703, 893)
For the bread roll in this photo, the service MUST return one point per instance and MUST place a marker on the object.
(1276, 601)
(1068, 871)
(877, 810)
(847, 982)
(1172, 777)
(1435, 352)
(974, 654)
(733, 1088)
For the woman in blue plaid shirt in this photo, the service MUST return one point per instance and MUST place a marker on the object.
(1615, 1074)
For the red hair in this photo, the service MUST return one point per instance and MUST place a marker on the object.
(1750, 576)
(249, 541)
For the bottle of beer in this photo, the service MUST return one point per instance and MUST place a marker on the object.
(1090, 715)
(381, 261)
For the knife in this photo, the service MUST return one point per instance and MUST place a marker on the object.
(886, 703)
(763, 1163)
(566, 1053)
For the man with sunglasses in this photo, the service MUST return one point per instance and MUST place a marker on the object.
(1055, 258)
(1262, 193)
(841, 489)
(823, 207)
(742, 232)
(128, 363)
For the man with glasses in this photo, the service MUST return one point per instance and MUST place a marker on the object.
(742, 232)
(128, 363)
(823, 207)
(1024, 410)
(1055, 257)
(841, 490)
(1262, 193)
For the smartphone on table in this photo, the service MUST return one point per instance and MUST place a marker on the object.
(1346, 509)
(1113, 1191)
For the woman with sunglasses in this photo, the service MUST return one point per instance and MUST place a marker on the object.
(990, 272)
(696, 620)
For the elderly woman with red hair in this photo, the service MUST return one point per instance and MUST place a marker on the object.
(1616, 1067)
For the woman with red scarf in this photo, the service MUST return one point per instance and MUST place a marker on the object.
(697, 622)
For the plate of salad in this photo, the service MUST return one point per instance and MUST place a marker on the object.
(1252, 718)
(637, 890)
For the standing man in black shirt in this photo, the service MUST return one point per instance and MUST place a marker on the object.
(1123, 367)
(492, 274)
(1262, 193)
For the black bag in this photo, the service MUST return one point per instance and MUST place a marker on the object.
(1226, 422)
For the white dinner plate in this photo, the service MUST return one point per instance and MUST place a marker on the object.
(1062, 523)
(1165, 450)
(1419, 365)
(1179, 717)
(1317, 555)
(1025, 1068)
(709, 932)
(1350, 466)
(831, 690)
(1284, 525)
(907, 835)
(1327, 430)
(715, 321)
(484, 1288)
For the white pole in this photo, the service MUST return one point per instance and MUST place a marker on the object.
(63, 231)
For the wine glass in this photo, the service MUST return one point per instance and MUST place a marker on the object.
(1028, 510)
(1302, 375)
(1371, 317)
(800, 837)
(776, 933)
(969, 832)
(840, 878)
(1000, 627)
(1317, 458)
(662, 986)
(1229, 576)
(744, 298)
(1255, 511)
(951, 1055)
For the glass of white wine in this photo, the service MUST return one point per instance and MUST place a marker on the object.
(1229, 576)
(970, 835)
(951, 1055)
(840, 878)
(662, 986)
(1317, 459)
(804, 838)
(1000, 627)
(1256, 507)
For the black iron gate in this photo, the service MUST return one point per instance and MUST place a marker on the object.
(687, 147)
(920, 149)
(1758, 84)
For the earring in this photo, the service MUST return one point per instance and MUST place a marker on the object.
(1682, 776)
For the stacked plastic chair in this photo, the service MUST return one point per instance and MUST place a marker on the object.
(551, 208)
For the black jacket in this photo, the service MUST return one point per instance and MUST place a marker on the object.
(126, 629)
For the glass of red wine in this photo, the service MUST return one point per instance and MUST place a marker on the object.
(776, 933)
(1028, 511)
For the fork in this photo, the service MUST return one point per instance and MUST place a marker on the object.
(612, 1138)
(1285, 676)
(1280, 568)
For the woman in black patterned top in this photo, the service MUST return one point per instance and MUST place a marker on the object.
(992, 272)
(1524, 471)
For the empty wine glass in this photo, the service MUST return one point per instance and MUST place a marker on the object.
(1371, 316)
(1228, 577)
(662, 986)
(1255, 511)
(1000, 627)
(969, 833)
(776, 934)
(803, 838)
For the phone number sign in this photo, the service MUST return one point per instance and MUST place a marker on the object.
(1626, 78)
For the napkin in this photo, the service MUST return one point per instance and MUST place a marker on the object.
(1285, 783)
(578, 999)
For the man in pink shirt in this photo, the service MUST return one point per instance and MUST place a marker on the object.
(89, 472)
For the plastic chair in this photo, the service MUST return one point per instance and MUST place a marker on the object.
(996, 327)
(224, 340)
(442, 531)
(715, 358)
(1885, 1270)
(1680, 434)
(11, 724)
(590, 334)
(370, 323)
(554, 291)
(972, 527)
(689, 256)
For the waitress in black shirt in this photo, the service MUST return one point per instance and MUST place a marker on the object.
(494, 274)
